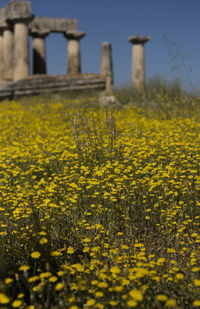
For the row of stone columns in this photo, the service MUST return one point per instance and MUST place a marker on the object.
(138, 62)
(73, 51)
(14, 54)
(14, 51)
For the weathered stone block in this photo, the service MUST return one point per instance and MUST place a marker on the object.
(106, 65)
(39, 84)
(52, 24)
(18, 10)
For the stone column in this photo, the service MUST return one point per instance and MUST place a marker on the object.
(39, 52)
(8, 52)
(21, 40)
(106, 65)
(1, 54)
(138, 60)
(73, 52)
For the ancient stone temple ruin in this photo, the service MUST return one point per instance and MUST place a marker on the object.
(17, 23)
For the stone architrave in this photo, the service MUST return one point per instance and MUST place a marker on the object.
(138, 60)
(60, 25)
(73, 51)
(106, 65)
(39, 51)
(21, 40)
(8, 52)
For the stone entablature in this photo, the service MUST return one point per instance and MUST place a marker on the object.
(62, 25)
(15, 10)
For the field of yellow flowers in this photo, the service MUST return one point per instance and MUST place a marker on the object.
(99, 207)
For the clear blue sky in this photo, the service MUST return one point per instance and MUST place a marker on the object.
(114, 21)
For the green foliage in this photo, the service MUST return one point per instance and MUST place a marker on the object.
(162, 98)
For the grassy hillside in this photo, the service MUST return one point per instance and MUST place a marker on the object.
(99, 206)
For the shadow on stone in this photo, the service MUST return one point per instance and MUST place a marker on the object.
(39, 63)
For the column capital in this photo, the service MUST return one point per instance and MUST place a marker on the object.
(5, 26)
(22, 20)
(139, 39)
(36, 33)
(74, 35)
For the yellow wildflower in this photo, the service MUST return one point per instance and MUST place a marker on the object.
(4, 299)
(35, 255)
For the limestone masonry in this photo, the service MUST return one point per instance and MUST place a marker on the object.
(17, 24)
(138, 60)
